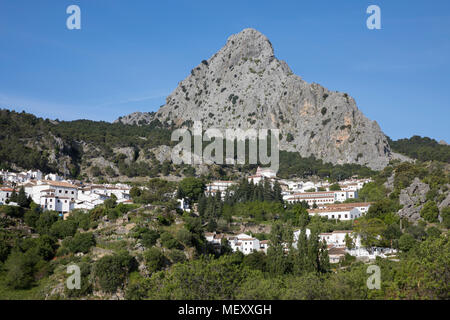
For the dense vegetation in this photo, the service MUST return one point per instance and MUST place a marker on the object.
(293, 165)
(423, 149)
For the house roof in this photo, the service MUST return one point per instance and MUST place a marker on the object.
(350, 205)
(336, 251)
(346, 209)
(59, 184)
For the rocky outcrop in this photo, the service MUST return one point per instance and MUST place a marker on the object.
(136, 118)
(245, 86)
(446, 201)
(413, 199)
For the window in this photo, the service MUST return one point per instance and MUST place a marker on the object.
(60, 191)
(346, 216)
(72, 192)
(339, 216)
(66, 191)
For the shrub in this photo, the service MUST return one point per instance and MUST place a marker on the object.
(177, 256)
(168, 241)
(81, 242)
(445, 214)
(184, 236)
(147, 236)
(112, 271)
(31, 217)
(289, 137)
(154, 259)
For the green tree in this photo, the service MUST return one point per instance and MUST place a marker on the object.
(430, 211)
(81, 242)
(335, 187)
(31, 217)
(45, 221)
(349, 243)
(370, 230)
(191, 188)
(20, 269)
(63, 228)
(22, 199)
(406, 242)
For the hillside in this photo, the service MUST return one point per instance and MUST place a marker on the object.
(82, 147)
(423, 149)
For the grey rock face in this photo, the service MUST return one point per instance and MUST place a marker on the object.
(446, 201)
(138, 118)
(245, 86)
(413, 199)
(389, 184)
(401, 157)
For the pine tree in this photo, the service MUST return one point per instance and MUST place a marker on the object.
(277, 192)
(202, 203)
(13, 197)
(22, 199)
(267, 191)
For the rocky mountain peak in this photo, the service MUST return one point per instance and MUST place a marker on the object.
(245, 86)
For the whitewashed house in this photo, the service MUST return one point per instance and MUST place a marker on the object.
(5, 194)
(320, 198)
(244, 243)
(53, 177)
(219, 186)
(262, 173)
(337, 238)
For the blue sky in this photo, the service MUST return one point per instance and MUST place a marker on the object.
(129, 55)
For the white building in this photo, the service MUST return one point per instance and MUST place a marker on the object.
(5, 194)
(341, 211)
(363, 207)
(337, 238)
(218, 186)
(320, 198)
(372, 254)
(121, 192)
(53, 177)
(50, 201)
(262, 173)
(244, 243)
(183, 205)
(60, 189)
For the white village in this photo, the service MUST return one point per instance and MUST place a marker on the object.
(53, 192)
